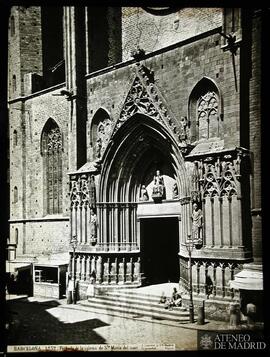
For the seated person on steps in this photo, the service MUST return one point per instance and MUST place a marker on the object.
(175, 300)
(176, 297)
(162, 298)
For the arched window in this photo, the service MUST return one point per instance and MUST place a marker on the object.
(15, 138)
(14, 83)
(51, 150)
(15, 192)
(12, 26)
(16, 236)
(205, 111)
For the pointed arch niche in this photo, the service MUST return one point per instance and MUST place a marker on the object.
(51, 151)
(140, 147)
(205, 111)
(100, 132)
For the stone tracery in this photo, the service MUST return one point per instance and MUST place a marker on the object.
(52, 147)
(103, 136)
(145, 98)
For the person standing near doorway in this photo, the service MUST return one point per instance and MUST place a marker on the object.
(70, 288)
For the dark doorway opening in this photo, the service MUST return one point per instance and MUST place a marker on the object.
(160, 247)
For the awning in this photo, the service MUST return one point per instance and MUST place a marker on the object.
(53, 259)
(12, 267)
(250, 278)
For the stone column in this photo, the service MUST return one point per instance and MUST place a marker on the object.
(217, 223)
(132, 218)
(99, 270)
(93, 264)
(236, 222)
(78, 267)
(75, 66)
(73, 266)
(138, 223)
(122, 224)
(80, 238)
(85, 232)
(230, 222)
(116, 228)
(76, 221)
(221, 220)
(105, 234)
(100, 223)
(83, 267)
(208, 222)
(87, 268)
(127, 226)
(225, 221)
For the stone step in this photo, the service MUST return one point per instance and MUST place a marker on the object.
(133, 292)
(135, 302)
(131, 308)
(129, 298)
(131, 312)
(133, 315)
(133, 296)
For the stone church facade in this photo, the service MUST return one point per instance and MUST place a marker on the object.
(133, 130)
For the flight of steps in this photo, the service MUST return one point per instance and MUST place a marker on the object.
(131, 303)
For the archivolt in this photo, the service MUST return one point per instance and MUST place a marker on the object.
(138, 144)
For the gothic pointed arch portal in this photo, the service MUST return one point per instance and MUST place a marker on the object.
(139, 148)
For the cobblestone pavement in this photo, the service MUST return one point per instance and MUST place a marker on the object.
(49, 323)
(41, 321)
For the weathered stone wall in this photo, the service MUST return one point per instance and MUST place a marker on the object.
(43, 236)
(27, 173)
(176, 72)
(25, 47)
(151, 32)
(255, 136)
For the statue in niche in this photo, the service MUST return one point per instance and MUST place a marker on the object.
(175, 193)
(93, 226)
(144, 194)
(159, 186)
(92, 192)
(197, 222)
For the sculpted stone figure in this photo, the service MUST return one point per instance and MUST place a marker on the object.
(144, 194)
(175, 191)
(197, 222)
(159, 187)
(93, 226)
